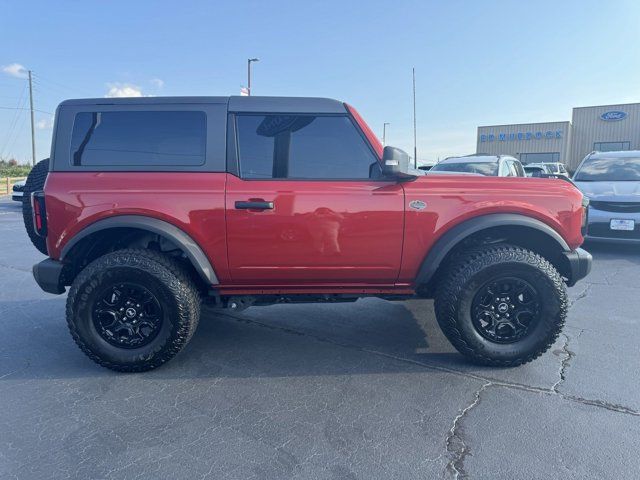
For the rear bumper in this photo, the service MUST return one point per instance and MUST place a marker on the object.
(48, 276)
(579, 262)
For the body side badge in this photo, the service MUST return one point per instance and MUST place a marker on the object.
(417, 205)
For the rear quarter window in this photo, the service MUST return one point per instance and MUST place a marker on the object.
(139, 138)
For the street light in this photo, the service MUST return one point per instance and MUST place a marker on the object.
(384, 133)
(249, 73)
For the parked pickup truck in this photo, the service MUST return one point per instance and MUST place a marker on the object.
(150, 206)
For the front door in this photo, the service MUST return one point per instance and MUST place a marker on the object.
(309, 206)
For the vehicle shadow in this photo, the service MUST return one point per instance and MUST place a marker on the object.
(370, 336)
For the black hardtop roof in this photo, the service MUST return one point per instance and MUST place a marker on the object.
(235, 103)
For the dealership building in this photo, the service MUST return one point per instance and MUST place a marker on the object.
(602, 128)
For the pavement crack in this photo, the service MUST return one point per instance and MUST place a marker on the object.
(568, 355)
(581, 295)
(457, 446)
(492, 381)
(612, 407)
(15, 269)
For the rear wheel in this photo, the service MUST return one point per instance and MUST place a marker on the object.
(501, 305)
(35, 181)
(133, 310)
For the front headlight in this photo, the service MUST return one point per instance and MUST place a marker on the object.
(585, 214)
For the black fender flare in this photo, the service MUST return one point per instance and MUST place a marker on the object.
(455, 235)
(182, 240)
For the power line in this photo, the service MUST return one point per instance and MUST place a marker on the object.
(14, 119)
(17, 134)
(37, 77)
(35, 110)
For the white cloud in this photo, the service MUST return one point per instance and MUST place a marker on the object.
(158, 83)
(44, 124)
(15, 70)
(117, 90)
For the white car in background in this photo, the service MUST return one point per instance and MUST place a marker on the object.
(554, 168)
(18, 191)
(480, 164)
(611, 182)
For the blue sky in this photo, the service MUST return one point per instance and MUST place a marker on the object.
(477, 62)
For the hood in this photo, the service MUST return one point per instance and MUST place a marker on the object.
(611, 191)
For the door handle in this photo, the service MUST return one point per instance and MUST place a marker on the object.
(254, 205)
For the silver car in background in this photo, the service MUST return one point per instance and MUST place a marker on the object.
(611, 181)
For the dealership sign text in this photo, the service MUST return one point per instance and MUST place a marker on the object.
(510, 137)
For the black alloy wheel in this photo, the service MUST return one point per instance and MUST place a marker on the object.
(127, 315)
(505, 310)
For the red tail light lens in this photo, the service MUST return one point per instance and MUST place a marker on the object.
(39, 213)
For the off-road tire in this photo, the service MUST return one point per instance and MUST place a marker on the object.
(465, 276)
(165, 277)
(35, 181)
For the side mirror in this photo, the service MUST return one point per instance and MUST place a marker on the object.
(395, 163)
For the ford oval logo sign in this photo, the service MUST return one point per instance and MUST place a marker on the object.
(613, 116)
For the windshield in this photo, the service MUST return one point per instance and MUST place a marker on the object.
(483, 168)
(609, 170)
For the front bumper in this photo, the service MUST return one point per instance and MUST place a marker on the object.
(17, 196)
(579, 262)
(48, 276)
(598, 229)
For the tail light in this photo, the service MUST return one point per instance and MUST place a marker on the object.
(39, 213)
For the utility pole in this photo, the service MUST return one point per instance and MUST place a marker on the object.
(384, 133)
(33, 131)
(249, 61)
(415, 141)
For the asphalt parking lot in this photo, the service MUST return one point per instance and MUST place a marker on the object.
(364, 390)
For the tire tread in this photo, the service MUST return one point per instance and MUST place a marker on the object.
(171, 274)
(463, 267)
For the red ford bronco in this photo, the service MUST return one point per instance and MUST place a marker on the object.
(150, 206)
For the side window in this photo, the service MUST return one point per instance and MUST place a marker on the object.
(303, 147)
(510, 169)
(519, 169)
(139, 138)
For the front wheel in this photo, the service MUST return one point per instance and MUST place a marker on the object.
(132, 310)
(501, 305)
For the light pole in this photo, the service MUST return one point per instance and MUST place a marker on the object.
(384, 133)
(415, 141)
(33, 131)
(249, 73)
